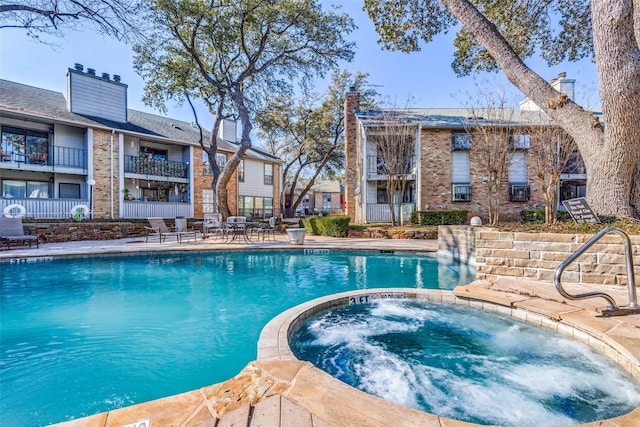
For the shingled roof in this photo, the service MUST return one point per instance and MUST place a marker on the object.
(18, 98)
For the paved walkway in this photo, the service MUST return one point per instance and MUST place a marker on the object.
(135, 245)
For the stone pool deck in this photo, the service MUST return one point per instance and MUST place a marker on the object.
(277, 390)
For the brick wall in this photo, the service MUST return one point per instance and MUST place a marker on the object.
(202, 182)
(538, 255)
(351, 178)
(102, 174)
(435, 180)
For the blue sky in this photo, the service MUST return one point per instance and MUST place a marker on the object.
(425, 77)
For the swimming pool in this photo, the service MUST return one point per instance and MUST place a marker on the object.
(465, 364)
(85, 335)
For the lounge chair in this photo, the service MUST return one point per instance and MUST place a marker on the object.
(12, 230)
(159, 228)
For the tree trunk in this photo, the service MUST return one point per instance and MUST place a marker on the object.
(234, 161)
(610, 169)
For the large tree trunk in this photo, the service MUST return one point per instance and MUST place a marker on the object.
(234, 161)
(610, 153)
(610, 169)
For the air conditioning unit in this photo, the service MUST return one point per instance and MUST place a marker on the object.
(519, 193)
(461, 192)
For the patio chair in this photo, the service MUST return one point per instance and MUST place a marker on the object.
(268, 229)
(12, 230)
(212, 225)
(159, 228)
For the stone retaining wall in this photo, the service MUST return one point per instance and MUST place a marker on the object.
(537, 255)
(77, 231)
(393, 234)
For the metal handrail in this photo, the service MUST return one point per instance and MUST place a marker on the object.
(613, 308)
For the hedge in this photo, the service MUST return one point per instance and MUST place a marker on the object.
(537, 216)
(440, 217)
(333, 226)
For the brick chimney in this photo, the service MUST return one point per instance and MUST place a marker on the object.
(351, 180)
(97, 96)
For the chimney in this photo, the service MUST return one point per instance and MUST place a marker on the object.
(95, 96)
(564, 85)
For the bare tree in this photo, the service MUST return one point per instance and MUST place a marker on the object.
(395, 141)
(121, 19)
(308, 134)
(491, 127)
(496, 35)
(551, 152)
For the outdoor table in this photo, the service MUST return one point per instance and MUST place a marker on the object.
(238, 229)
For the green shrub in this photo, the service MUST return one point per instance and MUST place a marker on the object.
(310, 224)
(537, 216)
(440, 217)
(333, 226)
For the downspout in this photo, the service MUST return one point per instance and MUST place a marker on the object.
(111, 207)
(363, 178)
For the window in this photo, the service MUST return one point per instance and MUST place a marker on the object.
(519, 192)
(460, 192)
(520, 141)
(268, 174)
(69, 191)
(153, 153)
(241, 171)
(22, 189)
(256, 207)
(221, 160)
(326, 201)
(460, 141)
(460, 176)
(518, 187)
(23, 145)
(208, 203)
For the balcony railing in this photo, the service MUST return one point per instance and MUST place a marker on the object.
(45, 208)
(376, 167)
(146, 166)
(155, 209)
(70, 157)
(62, 156)
(380, 212)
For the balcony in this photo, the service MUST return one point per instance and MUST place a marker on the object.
(62, 156)
(377, 170)
(380, 212)
(147, 166)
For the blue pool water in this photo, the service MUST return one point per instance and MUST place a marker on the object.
(82, 336)
(465, 364)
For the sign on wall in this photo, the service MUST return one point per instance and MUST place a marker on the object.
(580, 211)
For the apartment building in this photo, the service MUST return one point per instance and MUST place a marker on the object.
(88, 150)
(443, 171)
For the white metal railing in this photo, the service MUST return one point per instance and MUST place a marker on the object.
(155, 209)
(44, 208)
(380, 212)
